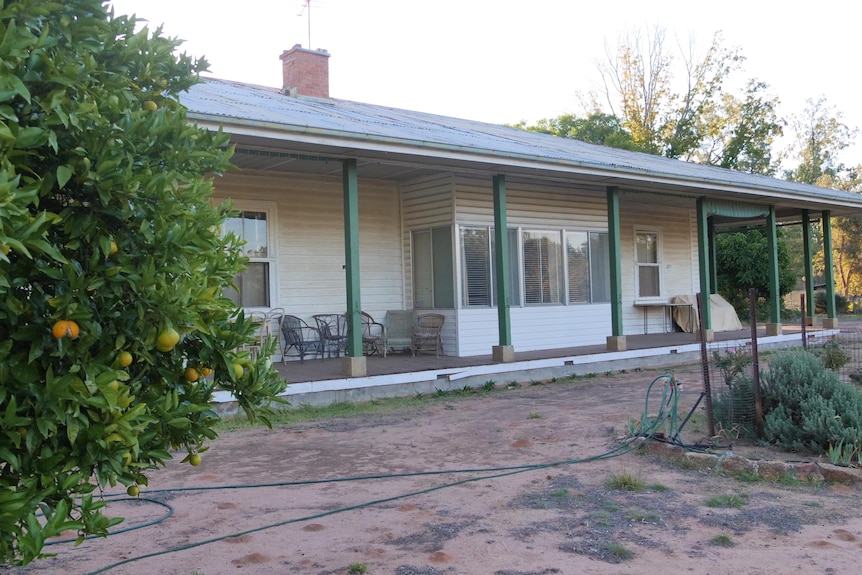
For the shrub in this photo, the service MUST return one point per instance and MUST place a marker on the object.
(841, 303)
(806, 406)
(734, 407)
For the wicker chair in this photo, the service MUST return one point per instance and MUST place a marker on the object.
(333, 332)
(428, 334)
(373, 336)
(299, 337)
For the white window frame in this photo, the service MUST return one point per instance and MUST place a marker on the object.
(269, 208)
(657, 265)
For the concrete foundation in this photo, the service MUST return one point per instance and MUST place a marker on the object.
(616, 343)
(773, 329)
(354, 366)
(503, 353)
(830, 323)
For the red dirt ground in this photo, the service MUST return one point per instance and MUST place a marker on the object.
(561, 519)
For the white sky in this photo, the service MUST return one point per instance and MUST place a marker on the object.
(503, 61)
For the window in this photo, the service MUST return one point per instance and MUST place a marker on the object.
(600, 267)
(254, 285)
(433, 284)
(478, 258)
(647, 264)
(588, 267)
(542, 264)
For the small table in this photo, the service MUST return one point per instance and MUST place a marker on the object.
(667, 312)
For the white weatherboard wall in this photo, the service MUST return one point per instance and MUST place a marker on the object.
(676, 222)
(310, 247)
(532, 207)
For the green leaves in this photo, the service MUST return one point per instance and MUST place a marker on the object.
(105, 221)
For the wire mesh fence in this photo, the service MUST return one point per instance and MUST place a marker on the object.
(730, 368)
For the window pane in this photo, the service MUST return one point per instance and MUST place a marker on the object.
(578, 253)
(648, 281)
(476, 264)
(423, 290)
(514, 271)
(444, 282)
(600, 267)
(254, 233)
(647, 248)
(253, 286)
(542, 267)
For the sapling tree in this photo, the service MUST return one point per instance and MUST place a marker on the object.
(113, 329)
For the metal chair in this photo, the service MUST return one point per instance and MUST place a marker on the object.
(299, 337)
(373, 336)
(333, 332)
(398, 332)
(428, 334)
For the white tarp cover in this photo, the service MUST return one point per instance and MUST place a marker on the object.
(724, 317)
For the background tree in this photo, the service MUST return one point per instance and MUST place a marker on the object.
(741, 132)
(741, 261)
(819, 136)
(113, 330)
(596, 128)
(639, 86)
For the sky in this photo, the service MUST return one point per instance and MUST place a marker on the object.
(502, 61)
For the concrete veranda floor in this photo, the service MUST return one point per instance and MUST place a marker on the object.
(319, 381)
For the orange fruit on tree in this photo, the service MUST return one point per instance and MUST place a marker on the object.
(150, 105)
(133, 491)
(191, 374)
(206, 371)
(167, 339)
(238, 370)
(113, 248)
(194, 459)
(124, 358)
(65, 328)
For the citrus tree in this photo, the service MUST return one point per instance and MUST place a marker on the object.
(113, 329)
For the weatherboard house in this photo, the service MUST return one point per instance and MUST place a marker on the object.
(523, 241)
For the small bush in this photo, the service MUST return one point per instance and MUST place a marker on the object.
(625, 481)
(722, 541)
(733, 407)
(841, 304)
(806, 406)
(732, 500)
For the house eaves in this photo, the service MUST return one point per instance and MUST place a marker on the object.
(343, 128)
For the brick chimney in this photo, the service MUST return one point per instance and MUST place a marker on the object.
(305, 72)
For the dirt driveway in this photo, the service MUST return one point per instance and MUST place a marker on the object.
(561, 519)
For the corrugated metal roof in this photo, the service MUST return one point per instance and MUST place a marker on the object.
(355, 124)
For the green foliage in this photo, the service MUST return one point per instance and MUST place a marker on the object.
(733, 407)
(105, 221)
(727, 500)
(841, 303)
(625, 481)
(595, 128)
(357, 568)
(806, 406)
(722, 541)
(832, 354)
(618, 552)
(742, 262)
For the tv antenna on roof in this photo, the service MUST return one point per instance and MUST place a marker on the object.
(307, 4)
